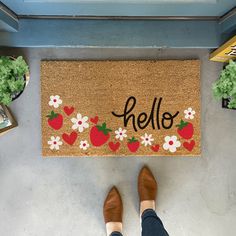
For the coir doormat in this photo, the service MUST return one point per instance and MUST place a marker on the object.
(120, 108)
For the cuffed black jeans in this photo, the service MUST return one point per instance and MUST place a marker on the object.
(151, 225)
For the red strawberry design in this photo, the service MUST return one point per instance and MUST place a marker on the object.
(69, 110)
(189, 145)
(155, 148)
(70, 138)
(185, 129)
(133, 144)
(99, 135)
(114, 146)
(55, 120)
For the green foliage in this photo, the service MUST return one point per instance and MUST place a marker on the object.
(225, 86)
(11, 77)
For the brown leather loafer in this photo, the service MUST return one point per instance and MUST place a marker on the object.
(147, 185)
(113, 207)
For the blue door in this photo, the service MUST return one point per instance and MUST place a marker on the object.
(44, 23)
(121, 7)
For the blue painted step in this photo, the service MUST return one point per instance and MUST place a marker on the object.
(113, 33)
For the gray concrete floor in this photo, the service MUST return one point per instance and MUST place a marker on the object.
(64, 196)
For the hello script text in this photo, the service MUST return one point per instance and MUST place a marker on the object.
(155, 118)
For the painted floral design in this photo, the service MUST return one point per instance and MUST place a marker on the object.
(55, 101)
(189, 113)
(171, 143)
(147, 139)
(54, 143)
(121, 134)
(84, 144)
(99, 135)
(80, 123)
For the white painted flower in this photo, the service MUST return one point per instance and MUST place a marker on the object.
(147, 139)
(171, 143)
(80, 122)
(84, 144)
(189, 113)
(55, 143)
(121, 134)
(55, 101)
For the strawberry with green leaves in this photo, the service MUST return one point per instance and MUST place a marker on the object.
(133, 144)
(185, 129)
(99, 135)
(55, 120)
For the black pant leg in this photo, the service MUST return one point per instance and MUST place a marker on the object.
(152, 224)
(116, 234)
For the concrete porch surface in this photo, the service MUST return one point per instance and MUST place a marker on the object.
(64, 196)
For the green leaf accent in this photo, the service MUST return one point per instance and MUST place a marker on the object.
(132, 140)
(12, 73)
(52, 115)
(182, 124)
(103, 128)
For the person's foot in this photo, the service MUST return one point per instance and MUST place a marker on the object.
(147, 189)
(113, 211)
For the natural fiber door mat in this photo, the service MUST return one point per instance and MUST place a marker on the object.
(120, 108)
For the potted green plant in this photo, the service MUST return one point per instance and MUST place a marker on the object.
(225, 87)
(14, 76)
